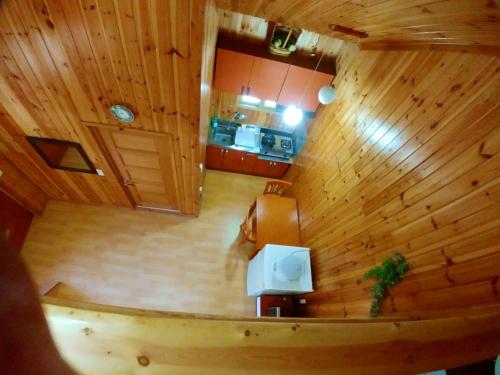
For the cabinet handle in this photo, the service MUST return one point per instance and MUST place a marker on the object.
(221, 152)
(248, 90)
(241, 160)
(242, 90)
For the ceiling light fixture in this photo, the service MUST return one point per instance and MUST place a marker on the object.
(327, 94)
(293, 115)
(250, 99)
(269, 103)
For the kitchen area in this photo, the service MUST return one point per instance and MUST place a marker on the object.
(264, 101)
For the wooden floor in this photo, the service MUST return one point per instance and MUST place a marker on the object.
(150, 260)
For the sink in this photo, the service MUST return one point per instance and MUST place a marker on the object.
(223, 138)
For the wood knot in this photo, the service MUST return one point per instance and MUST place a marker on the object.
(247, 332)
(88, 331)
(143, 360)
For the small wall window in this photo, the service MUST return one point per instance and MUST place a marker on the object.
(65, 155)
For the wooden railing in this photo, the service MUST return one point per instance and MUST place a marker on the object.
(98, 339)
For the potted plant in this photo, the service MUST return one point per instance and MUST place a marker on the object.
(284, 40)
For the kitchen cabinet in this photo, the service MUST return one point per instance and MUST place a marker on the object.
(266, 78)
(243, 162)
(214, 157)
(268, 168)
(232, 71)
(249, 75)
(301, 88)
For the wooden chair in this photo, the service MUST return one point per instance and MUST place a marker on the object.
(277, 187)
(249, 224)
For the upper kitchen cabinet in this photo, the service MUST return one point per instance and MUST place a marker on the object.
(301, 87)
(232, 71)
(267, 78)
(249, 75)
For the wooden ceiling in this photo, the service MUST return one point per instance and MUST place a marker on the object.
(449, 22)
(63, 63)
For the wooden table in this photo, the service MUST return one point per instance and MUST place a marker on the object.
(277, 221)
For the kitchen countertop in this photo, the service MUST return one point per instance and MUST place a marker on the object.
(232, 126)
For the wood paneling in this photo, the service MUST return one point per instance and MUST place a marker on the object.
(66, 62)
(20, 188)
(406, 159)
(448, 22)
(105, 340)
(15, 222)
(150, 260)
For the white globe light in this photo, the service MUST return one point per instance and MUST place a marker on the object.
(327, 94)
(293, 115)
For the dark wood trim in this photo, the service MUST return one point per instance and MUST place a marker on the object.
(348, 31)
(35, 141)
(259, 49)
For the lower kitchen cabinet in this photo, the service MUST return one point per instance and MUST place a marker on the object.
(243, 162)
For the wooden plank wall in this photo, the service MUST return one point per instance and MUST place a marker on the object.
(17, 186)
(406, 159)
(104, 340)
(207, 72)
(395, 22)
(64, 62)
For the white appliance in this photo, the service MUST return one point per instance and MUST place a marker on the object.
(279, 269)
(246, 136)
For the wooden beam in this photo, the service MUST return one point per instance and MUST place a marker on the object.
(110, 340)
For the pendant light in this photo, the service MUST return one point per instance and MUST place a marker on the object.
(327, 94)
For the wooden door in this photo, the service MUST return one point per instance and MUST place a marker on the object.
(145, 164)
(301, 88)
(232, 71)
(266, 78)
(214, 157)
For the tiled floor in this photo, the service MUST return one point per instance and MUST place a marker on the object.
(150, 260)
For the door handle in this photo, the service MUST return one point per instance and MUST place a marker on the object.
(127, 182)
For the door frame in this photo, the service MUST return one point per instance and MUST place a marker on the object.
(120, 172)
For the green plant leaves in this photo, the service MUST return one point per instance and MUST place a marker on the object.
(388, 274)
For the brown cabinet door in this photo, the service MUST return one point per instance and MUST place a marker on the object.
(267, 168)
(310, 101)
(263, 168)
(232, 71)
(266, 78)
(214, 157)
(301, 88)
(247, 164)
(232, 160)
(278, 169)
